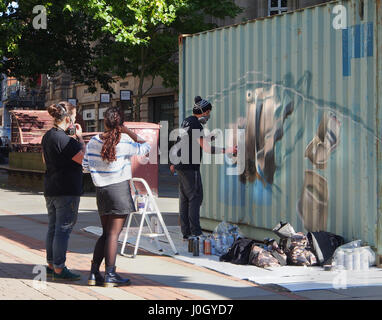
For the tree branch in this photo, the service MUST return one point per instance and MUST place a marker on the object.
(151, 86)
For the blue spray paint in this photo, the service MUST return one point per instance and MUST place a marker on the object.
(357, 42)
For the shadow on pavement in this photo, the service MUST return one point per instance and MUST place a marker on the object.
(26, 229)
(22, 271)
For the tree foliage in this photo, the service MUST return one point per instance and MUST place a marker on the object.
(96, 39)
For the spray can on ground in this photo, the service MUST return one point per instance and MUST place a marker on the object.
(364, 260)
(340, 259)
(207, 246)
(348, 260)
(196, 246)
(357, 259)
(190, 244)
(213, 244)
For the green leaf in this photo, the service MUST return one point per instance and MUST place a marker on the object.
(68, 7)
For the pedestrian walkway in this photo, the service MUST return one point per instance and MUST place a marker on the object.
(23, 225)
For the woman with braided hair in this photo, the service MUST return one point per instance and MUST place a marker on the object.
(108, 159)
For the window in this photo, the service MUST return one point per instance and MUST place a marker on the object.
(127, 108)
(101, 126)
(88, 114)
(90, 126)
(163, 109)
(277, 6)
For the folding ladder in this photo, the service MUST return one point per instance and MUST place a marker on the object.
(150, 209)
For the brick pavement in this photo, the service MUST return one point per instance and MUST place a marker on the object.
(140, 288)
(21, 241)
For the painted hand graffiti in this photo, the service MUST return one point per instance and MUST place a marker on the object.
(325, 141)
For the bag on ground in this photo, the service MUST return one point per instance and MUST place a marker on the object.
(324, 244)
(284, 230)
(239, 251)
(298, 251)
(262, 258)
(276, 251)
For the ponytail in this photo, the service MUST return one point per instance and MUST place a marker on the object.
(113, 120)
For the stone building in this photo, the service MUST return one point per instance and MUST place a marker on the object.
(18, 95)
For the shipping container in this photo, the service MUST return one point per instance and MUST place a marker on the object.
(305, 89)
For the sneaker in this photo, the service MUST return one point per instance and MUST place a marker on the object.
(113, 279)
(66, 275)
(185, 237)
(49, 272)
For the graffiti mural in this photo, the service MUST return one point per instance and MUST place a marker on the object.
(267, 110)
(357, 42)
(325, 141)
(307, 97)
(267, 107)
(313, 204)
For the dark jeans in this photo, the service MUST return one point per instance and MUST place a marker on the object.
(190, 200)
(62, 216)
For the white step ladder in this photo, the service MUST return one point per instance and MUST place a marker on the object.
(150, 209)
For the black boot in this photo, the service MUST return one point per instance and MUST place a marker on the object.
(95, 277)
(113, 279)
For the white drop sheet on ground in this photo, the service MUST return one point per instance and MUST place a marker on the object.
(293, 278)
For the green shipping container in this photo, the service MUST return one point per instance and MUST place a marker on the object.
(305, 88)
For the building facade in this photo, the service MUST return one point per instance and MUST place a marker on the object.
(18, 95)
(160, 104)
(253, 9)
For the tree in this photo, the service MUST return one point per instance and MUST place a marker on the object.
(96, 39)
(157, 56)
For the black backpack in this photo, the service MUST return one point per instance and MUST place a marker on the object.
(239, 251)
(324, 244)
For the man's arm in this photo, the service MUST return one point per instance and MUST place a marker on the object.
(215, 150)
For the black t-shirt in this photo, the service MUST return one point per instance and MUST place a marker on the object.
(63, 176)
(189, 124)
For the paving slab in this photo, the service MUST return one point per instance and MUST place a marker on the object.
(361, 292)
(206, 285)
(154, 277)
(322, 295)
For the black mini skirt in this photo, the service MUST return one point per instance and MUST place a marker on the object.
(115, 199)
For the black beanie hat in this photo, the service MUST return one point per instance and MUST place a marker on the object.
(201, 105)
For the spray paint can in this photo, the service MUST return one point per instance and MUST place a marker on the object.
(340, 259)
(213, 250)
(348, 261)
(190, 244)
(364, 260)
(196, 246)
(207, 246)
(357, 259)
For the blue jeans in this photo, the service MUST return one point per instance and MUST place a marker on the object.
(62, 216)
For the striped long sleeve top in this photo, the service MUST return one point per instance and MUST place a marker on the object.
(104, 173)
